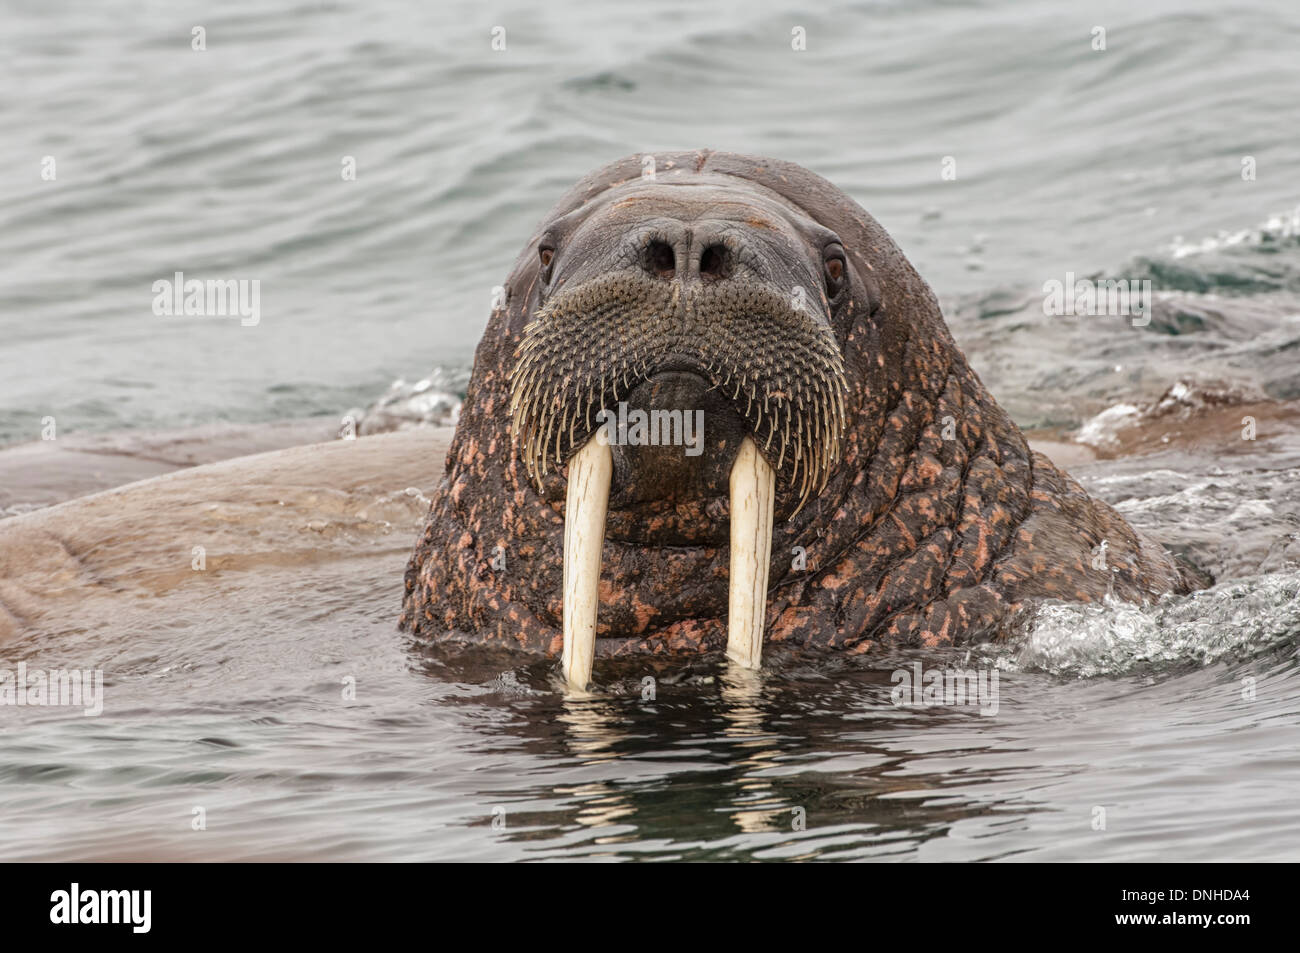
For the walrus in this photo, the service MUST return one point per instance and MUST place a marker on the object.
(855, 486)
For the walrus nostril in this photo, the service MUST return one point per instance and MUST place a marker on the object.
(660, 260)
(715, 262)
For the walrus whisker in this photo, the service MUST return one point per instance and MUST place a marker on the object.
(590, 347)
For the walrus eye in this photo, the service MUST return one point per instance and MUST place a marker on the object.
(546, 255)
(834, 258)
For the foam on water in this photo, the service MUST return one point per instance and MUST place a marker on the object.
(1277, 228)
(1232, 620)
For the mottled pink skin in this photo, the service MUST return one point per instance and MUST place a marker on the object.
(938, 524)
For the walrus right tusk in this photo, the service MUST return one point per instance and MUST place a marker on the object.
(753, 492)
(586, 504)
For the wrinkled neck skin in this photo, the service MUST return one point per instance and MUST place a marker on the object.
(908, 519)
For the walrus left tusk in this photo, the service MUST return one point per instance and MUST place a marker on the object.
(586, 504)
(753, 492)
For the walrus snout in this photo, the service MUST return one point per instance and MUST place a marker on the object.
(769, 354)
(686, 253)
(674, 441)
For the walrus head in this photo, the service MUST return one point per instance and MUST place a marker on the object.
(850, 482)
(683, 303)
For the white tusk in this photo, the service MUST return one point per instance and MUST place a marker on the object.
(753, 493)
(586, 504)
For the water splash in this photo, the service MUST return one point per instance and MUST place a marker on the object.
(1235, 619)
(431, 401)
(1277, 229)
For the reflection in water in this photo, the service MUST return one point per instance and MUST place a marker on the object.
(758, 804)
(810, 758)
(722, 762)
(592, 736)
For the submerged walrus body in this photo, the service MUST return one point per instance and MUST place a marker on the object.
(757, 297)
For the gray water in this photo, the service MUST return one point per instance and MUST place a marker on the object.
(1178, 721)
(227, 163)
